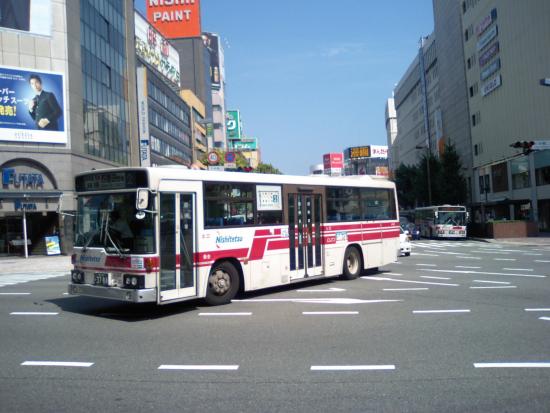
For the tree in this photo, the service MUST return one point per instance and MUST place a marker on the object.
(453, 183)
(406, 178)
(267, 168)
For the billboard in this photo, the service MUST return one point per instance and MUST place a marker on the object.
(212, 42)
(156, 51)
(175, 18)
(233, 124)
(33, 17)
(246, 144)
(333, 160)
(358, 152)
(32, 106)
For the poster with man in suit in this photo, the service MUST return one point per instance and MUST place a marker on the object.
(43, 108)
(32, 106)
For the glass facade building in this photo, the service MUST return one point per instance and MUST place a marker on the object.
(104, 75)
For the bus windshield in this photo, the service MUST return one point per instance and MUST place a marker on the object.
(451, 218)
(108, 221)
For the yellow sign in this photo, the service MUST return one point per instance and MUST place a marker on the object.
(359, 152)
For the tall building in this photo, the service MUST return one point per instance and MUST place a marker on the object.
(453, 98)
(68, 88)
(417, 106)
(505, 55)
(164, 118)
(217, 79)
(391, 132)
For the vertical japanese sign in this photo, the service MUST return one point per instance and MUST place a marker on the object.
(233, 124)
(143, 117)
(32, 106)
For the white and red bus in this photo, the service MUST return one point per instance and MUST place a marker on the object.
(442, 221)
(168, 234)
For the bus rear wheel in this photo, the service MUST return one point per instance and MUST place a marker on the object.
(353, 264)
(223, 284)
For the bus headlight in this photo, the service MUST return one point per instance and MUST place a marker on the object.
(134, 281)
(77, 277)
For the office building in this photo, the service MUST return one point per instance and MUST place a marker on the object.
(80, 54)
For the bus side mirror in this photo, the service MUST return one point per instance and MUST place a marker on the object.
(142, 199)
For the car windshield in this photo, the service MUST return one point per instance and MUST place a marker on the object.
(451, 218)
(108, 221)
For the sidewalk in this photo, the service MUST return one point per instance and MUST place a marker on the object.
(542, 239)
(35, 264)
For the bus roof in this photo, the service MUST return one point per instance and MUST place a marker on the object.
(156, 174)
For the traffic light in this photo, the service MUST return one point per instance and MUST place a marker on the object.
(525, 145)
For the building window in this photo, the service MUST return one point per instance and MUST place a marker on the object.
(520, 173)
(499, 175)
(476, 118)
(542, 167)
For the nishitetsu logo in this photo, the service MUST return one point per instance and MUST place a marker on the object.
(221, 240)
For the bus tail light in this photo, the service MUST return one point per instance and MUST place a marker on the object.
(150, 263)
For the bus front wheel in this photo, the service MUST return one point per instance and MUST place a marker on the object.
(353, 264)
(223, 284)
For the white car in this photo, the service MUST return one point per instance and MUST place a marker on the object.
(404, 243)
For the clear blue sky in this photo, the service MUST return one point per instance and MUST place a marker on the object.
(312, 77)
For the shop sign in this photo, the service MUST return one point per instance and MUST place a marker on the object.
(487, 37)
(486, 22)
(21, 180)
(489, 70)
(18, 205)
(488, 54)
(359, 152)
(377, 151)
(491, 85)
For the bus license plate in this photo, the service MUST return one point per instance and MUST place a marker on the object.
(101, 278)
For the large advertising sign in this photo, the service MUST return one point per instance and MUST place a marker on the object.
(27, 16)
(358, 152)
(32, 106)
(377, 151)
(233, 124)
(175, 18)
(246, 144)
(156, 51)
(333, 160)
(212, 42)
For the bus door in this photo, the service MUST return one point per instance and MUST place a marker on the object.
(304, 232)
(177, 241)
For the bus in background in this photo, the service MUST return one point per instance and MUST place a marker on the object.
(171, 234)
(442, 221)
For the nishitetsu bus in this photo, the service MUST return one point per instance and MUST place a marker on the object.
(171, 234)
(442, 221)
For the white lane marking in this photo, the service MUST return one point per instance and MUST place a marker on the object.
(330, 290)
(439, 311)
(405, 289)
(434, 278)
(354, 367)
(465, 257)
(424, 255)
(494, 286)
(407, 281)
(537, 309)
(544, 318)
(532, 253)
(198, 367)
(57, 363)
(316, 300)
(505, 259)
(463, 266)
(490, 273)
(330, 312)
(223, 314)
(32, 313)
(511, 365)
(393, 273)
(20, 278)
(491, 282)
(542, 261)
(15, 293)
(517, 269)
(426, 265)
